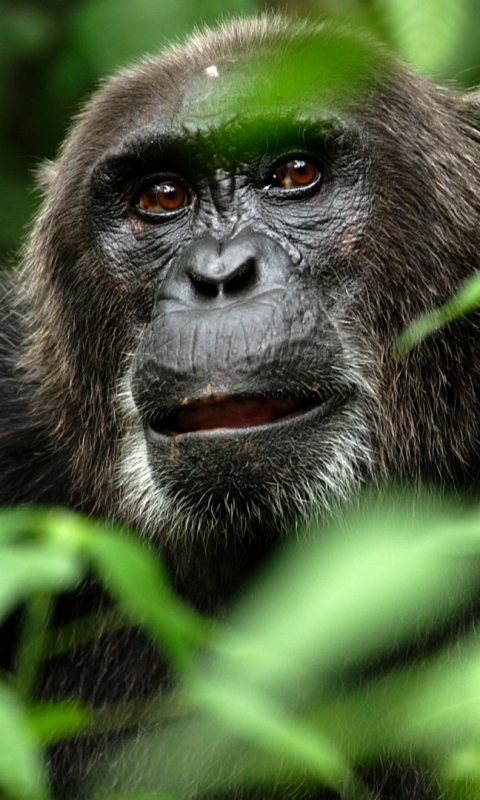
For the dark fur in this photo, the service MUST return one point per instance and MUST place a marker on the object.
(401, 234)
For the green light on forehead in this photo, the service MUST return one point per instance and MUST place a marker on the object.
(327, 71)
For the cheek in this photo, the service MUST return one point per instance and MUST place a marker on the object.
(350, 238)
(130, 260)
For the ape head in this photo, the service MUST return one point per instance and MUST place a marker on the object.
(233, 237)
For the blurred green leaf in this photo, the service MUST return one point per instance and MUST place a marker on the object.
(197, 755)
(137, 796)
(431, 709)
(145, 29)
(32, 640)
(466, 300)
(135, 578)
(18, 523)
(268, 688)
(26, 568)
(315, 76)
(345, 597)
(425, 33)
(129, 570)
(251, 715)
(21, 772)
(460, 775)
(447, 709)
(52, 722)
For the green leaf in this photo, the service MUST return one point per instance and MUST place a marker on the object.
(252, 715)
(137, 796)
(461, 773)
(316, 75)
(147, 30)
(466, 300)
(196, 755)
(27, 568)
(20, 523)
(132, 572)
(447, 709)
(425, 33)
(342, 598)
(345, 597)
(52, 722)
(32, 641)
(22, 774)
(135, 577)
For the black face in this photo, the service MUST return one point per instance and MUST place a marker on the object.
(245, 396)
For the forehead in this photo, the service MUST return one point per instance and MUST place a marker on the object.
(304, 76)
(216, 113)
(231, 89)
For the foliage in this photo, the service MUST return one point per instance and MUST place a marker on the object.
(426, 34)
(345, 597)
(466, 300)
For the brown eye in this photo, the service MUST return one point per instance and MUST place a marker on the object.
(296, 174)
(164, 196)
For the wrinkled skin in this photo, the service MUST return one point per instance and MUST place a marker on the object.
(199, 342)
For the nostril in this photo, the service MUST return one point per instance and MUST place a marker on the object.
(205, 287)
(232, 281)
(243, 278)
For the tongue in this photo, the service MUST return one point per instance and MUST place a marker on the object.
(242, 413)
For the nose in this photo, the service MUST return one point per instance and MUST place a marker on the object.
(229, 269)
(211, 274)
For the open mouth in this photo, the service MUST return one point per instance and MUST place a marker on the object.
(226, 412)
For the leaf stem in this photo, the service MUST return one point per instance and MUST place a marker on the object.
(32, 641)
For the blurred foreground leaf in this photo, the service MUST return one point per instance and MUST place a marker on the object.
(260, 720)
(265, 697)
(134, 576)
(272, 706)
(353, 593)
(428, 710)
(466, 300)
(21, 771)
(53, 722)
(50, 550)
(26, 568)
(316, 74)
